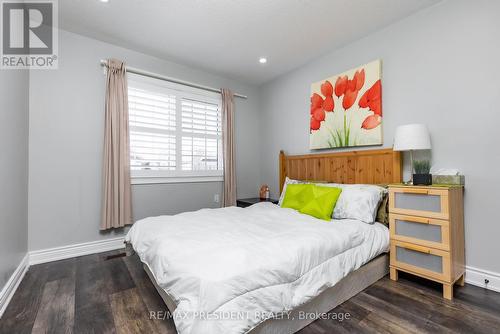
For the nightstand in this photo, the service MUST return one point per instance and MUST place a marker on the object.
(427, 233)
(244, 202)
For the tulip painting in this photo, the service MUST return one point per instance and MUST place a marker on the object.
(346, 109)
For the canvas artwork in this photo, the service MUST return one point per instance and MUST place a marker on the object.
(346, 109)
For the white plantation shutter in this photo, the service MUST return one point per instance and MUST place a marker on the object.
(201, 135)
(152, 130)
(175, 131)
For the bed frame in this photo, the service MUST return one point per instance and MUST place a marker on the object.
(369, 167)
(382, 166)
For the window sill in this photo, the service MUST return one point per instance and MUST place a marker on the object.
(180, 179)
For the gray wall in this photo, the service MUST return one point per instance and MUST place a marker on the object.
(440, 67)
(66, 136)
(14, 85)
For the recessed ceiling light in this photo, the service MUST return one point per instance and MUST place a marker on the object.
(262, 60)
(104, 0)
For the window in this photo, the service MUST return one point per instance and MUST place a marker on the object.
(175, 132)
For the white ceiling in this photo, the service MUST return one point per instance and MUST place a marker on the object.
(228, 36)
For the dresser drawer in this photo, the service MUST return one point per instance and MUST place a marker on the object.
(422, 231)
(429, 262)
(426, 202)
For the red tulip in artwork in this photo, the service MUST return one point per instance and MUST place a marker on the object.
(371, 122)
(356, 104)
(319, 114)
(328, 104)
(327, 88)
(315, 124)
(341, 85)
(372, 98)
(352, 89)
(316, 102)
(349, 98)
(320, 106)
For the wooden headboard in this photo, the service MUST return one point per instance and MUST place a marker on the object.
(369, 167)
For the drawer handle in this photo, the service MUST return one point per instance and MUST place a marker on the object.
(417, 249)
(416, 191)
(420, 220)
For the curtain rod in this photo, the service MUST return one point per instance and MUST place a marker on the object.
(169, 79)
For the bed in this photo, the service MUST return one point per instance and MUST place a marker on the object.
(266, 269)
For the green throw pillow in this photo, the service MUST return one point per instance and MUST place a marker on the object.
(322, 203)
(297, 195)
(311, 199)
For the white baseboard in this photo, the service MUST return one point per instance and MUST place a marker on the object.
(476, 276)
(69, 251)
(11, 286)
(53, 254)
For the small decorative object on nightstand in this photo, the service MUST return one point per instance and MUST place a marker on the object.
(264, 192)
(422, 175)
(244, 202)
(427, 233)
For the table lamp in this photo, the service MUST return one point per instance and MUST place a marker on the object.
(412, 137)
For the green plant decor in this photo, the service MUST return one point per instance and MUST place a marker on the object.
(422, 166)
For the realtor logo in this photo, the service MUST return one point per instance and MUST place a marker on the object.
(29, 34)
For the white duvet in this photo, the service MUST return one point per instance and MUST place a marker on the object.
(227, 269)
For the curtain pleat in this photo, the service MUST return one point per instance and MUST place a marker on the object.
(229, 193)
(117, 202)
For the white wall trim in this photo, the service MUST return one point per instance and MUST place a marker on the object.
(53, 254)
(12, 284)
(476, 276)
(69, 251)
(162, 180)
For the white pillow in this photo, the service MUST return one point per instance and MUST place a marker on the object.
(358, 201)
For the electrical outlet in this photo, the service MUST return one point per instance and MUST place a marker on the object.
(216, 198)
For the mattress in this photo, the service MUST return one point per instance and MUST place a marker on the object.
(228, 270)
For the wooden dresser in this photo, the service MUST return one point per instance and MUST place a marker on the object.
(427, 233)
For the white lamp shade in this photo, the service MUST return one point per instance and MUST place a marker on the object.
(412, 137)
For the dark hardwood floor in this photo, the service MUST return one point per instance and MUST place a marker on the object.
(109, 293)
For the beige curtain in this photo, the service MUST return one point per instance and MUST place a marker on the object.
(117, 205)
(229, 194)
